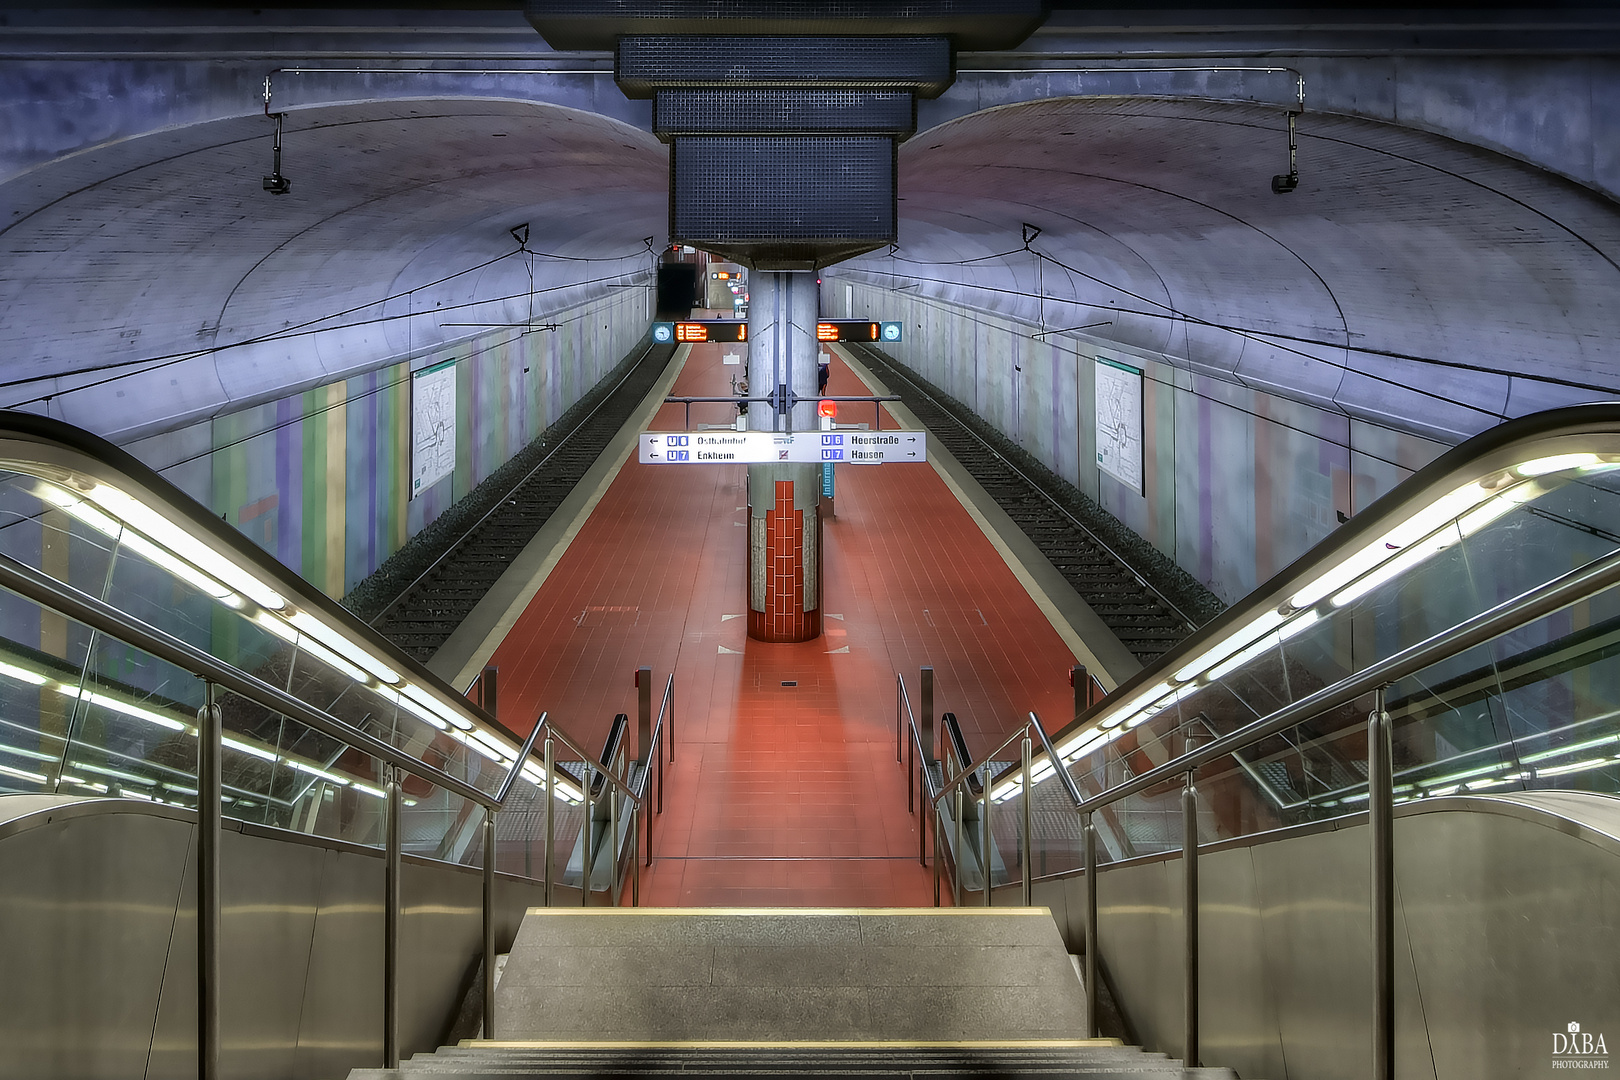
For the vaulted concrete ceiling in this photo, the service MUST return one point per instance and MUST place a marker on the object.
(165, 249)
(1409, 276)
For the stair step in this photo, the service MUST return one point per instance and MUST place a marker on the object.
(790, 993)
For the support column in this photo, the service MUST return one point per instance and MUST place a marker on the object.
(784, 523)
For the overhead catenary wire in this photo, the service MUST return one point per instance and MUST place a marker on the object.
(1270, 338)
(160, 362)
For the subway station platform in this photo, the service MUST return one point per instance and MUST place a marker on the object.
(785, 789)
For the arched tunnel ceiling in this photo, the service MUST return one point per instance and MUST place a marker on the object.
(1400, 248)
(164, 245)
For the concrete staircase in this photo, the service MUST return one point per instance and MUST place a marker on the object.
(595, 992)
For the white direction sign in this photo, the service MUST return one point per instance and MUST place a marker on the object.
(778, 447)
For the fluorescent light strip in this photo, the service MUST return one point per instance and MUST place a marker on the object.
(332, 659)
(1556, 463)
(186, 546)
(314, 770)
(340, 643)
(422, 697)
(36, 755)
(22, 675)
(1398, 565)
(1572, 748)
(22, 774)
(416, 708)
(108, 702)
(249, 748)
(1264, 624)
(1577, 766)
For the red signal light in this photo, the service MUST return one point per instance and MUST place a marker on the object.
(829, 409)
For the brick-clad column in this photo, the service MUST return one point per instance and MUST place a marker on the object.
(784, 524)
(784, 554)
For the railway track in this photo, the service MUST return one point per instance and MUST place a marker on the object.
(424, 614)
(1146, 621)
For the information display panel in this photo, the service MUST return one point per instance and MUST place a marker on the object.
(697, 331)
(720, 447)
(1119, 422)
(433, 425)
(857, 330)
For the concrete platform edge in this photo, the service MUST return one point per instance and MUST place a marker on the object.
(1087, 636)
(470, 646)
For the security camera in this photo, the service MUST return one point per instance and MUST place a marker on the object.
(277, 184)
(1283, 183)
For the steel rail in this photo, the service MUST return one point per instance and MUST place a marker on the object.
(916, 739)
(657, 736)
(500, 503)
(1057, 764)
(1019, 732)
(517, 762)
(593, 766)
(1189, 621)
(64, 599)
(1570, 588)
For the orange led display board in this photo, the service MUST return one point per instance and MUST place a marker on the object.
(712, 330)
(856, 330)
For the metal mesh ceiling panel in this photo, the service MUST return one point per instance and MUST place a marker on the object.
(783, 111)
(729, 192)
(648, 63)
(971, 24)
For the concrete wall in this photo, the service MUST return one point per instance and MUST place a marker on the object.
(98, 926)
(321, 479)
(1237, 482)
(1505, 933)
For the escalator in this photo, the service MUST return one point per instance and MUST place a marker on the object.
(1395, 769)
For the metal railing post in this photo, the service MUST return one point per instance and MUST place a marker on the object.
(488, 688)
(1091, 925)
(911, 778)
(209, 812)
(925, 703)
(551, 819)
(1027, 752)
(635, 863)
(934, 812)
(1381, 820)
(899, 717)
(587, 861)
(644, 716)
(489, 923)
(612, 796)
(986, 838)
(671, 735)
(956, 878)
(391, 903)
(928, 820)
(1080, 679)
(1189, 913)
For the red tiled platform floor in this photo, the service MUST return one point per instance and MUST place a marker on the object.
(779, 795)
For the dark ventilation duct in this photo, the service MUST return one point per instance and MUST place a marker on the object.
(783, 118)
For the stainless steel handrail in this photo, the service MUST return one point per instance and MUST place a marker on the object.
(591, 766)
(1570, 588)
(64, 599)
(957, 786)
(517, 763)
(658, 732)
(1500, 447)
